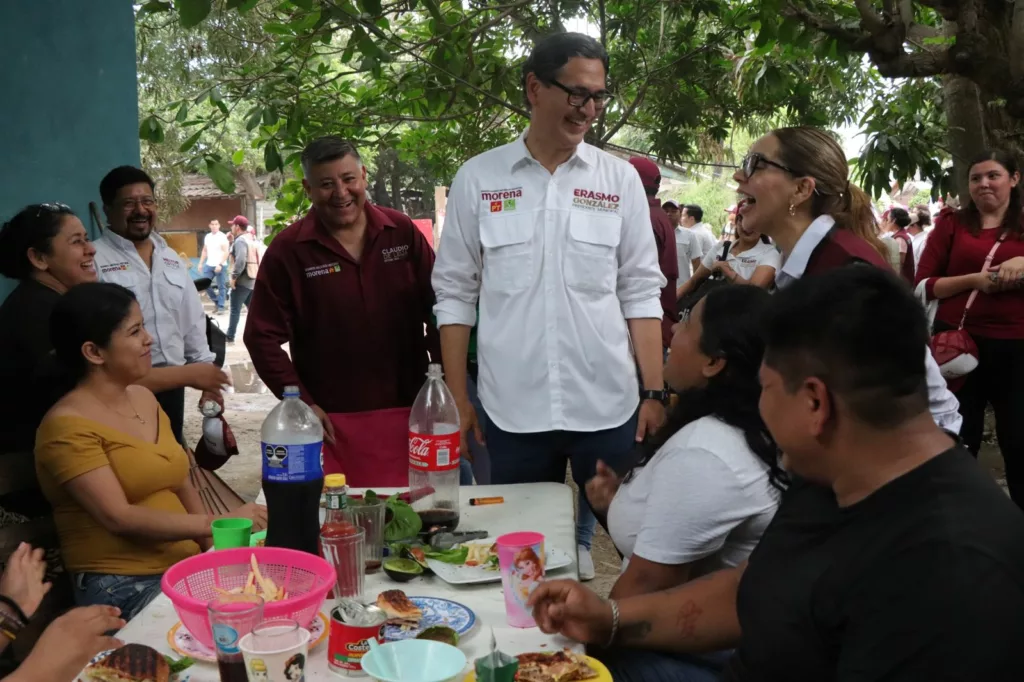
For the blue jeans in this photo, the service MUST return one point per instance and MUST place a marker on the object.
(218, 287)
(542, 457)
(635, 665)
(130, 593)
(239, 297)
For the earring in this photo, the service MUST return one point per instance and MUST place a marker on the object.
(792, 209)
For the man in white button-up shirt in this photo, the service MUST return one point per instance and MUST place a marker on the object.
(553, 238)
(131, 254)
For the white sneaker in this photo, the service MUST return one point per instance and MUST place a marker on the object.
(586, 563)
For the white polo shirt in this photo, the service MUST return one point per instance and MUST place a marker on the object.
(558, 263)
(943, 404)
(687, 250)
(706, 236)
(171, 309)
(745, 263)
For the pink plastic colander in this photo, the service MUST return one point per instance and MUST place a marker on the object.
(190, 584)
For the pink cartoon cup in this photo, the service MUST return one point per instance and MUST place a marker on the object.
(521, 559)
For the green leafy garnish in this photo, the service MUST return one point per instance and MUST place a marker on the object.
(456, 555)
(404, 524)
(180, 665)
(370, 497)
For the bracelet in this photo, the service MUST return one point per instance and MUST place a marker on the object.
(18, 613)
(615, 622)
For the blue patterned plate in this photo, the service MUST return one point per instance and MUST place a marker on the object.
(435, 612)
(180, 677)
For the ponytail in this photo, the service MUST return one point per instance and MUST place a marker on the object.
(852, 212)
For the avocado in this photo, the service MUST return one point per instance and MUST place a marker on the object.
(440, 633)
(402, 570)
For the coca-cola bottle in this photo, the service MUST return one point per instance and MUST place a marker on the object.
(434, 454)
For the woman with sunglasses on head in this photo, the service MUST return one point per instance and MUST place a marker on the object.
(751, 259)
(45, 249)
(108, 461)
(990, 307)
(795, 183)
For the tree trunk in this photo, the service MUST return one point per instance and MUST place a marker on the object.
(380, 188)
(965, 133)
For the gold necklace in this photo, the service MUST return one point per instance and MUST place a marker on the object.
(137, 415)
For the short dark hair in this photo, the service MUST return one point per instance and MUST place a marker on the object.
(122, 176)
(327, 148)
(695, 212)
(550, 54)
(828, 326)
(899, 217)
(89, 312)
(34, 227)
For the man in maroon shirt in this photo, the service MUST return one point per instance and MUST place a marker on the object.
(664, 237)
(348, 288)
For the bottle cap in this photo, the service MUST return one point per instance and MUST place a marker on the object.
(334, 480)
(291, 391)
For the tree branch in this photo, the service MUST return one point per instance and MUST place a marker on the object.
(857, 40)
(869, 19)
(1017, 41)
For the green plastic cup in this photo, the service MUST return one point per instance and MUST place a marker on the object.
(231, 533)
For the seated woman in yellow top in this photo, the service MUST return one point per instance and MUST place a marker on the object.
(108, 462)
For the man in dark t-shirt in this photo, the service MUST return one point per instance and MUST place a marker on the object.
(893, 555)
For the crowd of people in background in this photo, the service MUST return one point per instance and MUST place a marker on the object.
(757, 420)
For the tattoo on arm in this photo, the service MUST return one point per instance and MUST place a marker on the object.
(686, 619)
(634, 632)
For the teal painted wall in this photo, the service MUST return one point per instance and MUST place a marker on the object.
(70, 104)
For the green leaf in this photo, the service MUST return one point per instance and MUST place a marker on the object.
(190, 142)
(303, 4)
(192, 12)
(272, 158)
(269, 116)
(151, 130)
(182, 114)
(277, 29)
(238, 157)
(295, 120)
(371, 7)
(221, 174)
(242, 6)
(154, 6)
(254, 119)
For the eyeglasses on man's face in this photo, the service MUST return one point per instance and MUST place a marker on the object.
(143, 202)
(578, 97)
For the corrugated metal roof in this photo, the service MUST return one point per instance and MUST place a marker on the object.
(195, 186)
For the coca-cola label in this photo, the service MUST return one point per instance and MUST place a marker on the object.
(433, 453)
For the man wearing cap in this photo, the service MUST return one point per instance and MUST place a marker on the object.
(552, 237)
(245, 264)
(347, 287)
(650, 178)
(687, 244)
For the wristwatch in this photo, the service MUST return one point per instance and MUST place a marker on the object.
(661, 396)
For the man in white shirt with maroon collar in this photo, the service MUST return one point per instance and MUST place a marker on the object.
(552, 237)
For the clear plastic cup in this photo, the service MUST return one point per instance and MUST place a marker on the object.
(370, 517)
(232, 617)
(347, 553)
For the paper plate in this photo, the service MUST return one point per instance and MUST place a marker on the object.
(183, 643)
(474, 575)
(603, 675)
(436, 611)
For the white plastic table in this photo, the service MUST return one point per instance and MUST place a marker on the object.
(543, 507)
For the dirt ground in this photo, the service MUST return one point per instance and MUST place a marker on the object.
(250, 401)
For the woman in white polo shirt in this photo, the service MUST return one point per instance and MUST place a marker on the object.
(702, 493)
(752, 259)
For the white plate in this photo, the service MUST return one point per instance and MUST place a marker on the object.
(473, 575)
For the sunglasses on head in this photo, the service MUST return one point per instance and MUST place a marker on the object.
(53, 207)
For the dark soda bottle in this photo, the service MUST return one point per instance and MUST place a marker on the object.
(293, 475)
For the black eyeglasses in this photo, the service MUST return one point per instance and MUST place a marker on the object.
(578, 97)
(755, 160)
(53, 207)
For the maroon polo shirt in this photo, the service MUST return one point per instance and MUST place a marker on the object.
(907, 269)
(356, 330)
(842, 247)
(665, 238)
